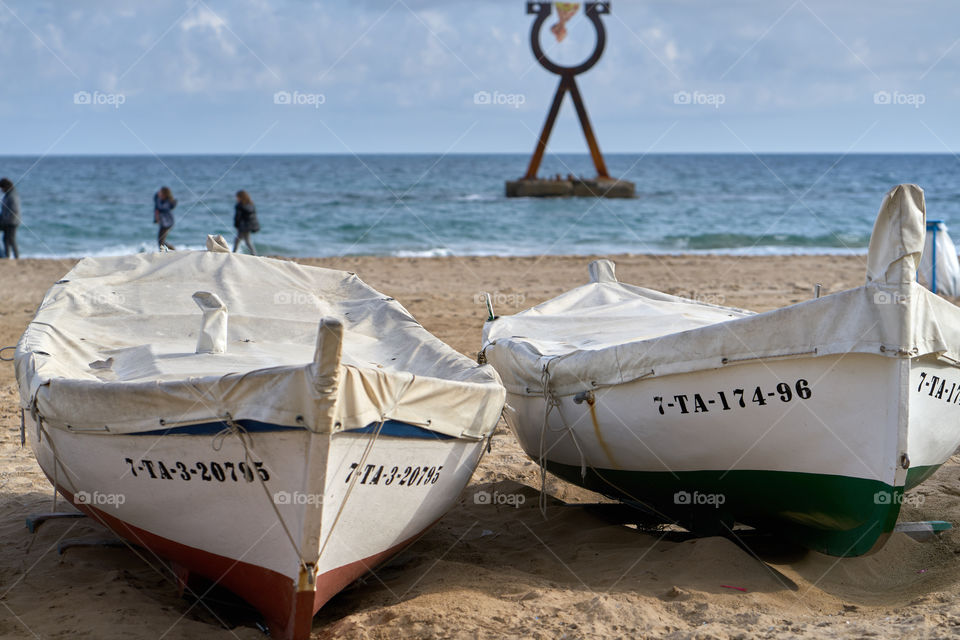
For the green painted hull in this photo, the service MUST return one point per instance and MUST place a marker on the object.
(836, 515)
(917, 475)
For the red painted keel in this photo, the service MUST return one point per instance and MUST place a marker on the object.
(288, 613)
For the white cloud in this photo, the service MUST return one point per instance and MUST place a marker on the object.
(375, 59)
(204, 19)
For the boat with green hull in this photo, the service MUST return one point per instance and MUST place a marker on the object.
(809, 421)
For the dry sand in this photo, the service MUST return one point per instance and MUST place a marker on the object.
(490, 571)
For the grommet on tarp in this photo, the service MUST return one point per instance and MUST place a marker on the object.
(584, 396)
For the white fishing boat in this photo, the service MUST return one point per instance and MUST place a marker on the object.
(276, 428)
(809, 421)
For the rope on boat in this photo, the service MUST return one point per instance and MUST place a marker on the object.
(551, 402)
(363, 460)
(56, 459)
(34, 412)
(41, 431)
(234, 428)
(353, 483)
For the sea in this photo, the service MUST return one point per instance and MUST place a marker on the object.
(454, 205)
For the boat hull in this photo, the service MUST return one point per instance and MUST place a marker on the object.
(375, 494)
(817, 449)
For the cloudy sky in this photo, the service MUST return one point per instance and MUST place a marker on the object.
(205, 76)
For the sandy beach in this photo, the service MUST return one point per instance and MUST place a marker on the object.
(487, 571)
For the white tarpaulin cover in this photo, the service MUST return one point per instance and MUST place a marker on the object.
(606, 333)
(115, 344)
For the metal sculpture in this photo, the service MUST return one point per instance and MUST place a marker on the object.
(568, 82)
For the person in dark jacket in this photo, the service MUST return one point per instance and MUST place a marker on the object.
(163, 205)
(245, 220)
(9, 218)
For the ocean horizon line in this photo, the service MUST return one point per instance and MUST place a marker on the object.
(584, 154)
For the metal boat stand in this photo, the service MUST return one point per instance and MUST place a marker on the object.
(34, 520)
(103, 543)
(923, 531)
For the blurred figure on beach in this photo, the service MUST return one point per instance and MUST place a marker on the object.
(245, 220)
(163, 205)
(9, 218)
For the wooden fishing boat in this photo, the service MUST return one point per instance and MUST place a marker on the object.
(810, 421)
(275, 428)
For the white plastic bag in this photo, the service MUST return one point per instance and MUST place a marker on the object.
(939, 244)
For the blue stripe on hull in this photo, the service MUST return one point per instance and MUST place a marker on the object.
(390, 428)
(213, 428)
(402, 430)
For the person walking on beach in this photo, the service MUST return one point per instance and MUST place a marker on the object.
(245, 220)
(163, 206)
(9, 218)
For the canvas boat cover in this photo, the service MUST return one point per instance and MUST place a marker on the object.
(114, 347)
(607, 333)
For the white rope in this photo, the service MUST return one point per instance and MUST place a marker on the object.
(233, 428)
(353, 482)
(34, 412)
(56, 463)
(363, 460)
(56, 459)
(552, 402)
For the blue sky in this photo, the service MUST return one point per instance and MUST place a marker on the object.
(201, 76)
